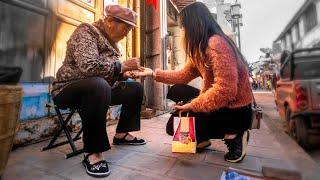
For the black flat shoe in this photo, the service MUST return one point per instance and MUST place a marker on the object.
(98, 169)
(123, 141)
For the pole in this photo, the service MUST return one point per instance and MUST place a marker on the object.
(163, 56)
(239, 39)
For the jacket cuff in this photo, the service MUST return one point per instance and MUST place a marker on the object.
(158, 75)
(121, 78)
(117, 69)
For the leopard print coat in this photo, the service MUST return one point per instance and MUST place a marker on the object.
(89, 54)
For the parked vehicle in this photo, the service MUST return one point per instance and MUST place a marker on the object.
(298, 94)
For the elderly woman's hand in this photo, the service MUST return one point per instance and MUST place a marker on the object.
(130, 74)
(131, 65)
(141, 72)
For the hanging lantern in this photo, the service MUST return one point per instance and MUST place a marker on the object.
(153, 3)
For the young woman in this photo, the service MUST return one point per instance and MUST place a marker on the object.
(222, 107)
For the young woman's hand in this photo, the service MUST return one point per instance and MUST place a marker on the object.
(183, 108)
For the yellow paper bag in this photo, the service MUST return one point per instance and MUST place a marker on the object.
(184, 139)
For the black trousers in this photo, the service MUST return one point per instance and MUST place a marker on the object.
(92, 97)
(215, 124)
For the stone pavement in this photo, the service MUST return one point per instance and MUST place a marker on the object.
(155, 160)
(297, 156)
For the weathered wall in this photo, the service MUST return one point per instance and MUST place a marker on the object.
(152, 51)
(33, 35)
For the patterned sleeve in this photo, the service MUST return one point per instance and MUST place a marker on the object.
(84, 49)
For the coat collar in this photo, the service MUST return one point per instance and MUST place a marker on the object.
(99, 25)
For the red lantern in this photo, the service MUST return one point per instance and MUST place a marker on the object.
(153, 3)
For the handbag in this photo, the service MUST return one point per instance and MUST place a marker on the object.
(257, 114)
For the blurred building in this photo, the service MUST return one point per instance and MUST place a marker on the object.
(303, 30)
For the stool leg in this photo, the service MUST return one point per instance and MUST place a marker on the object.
(63, 124)
(53, 140)
(74, 153)
(78, 135)
(66, 131)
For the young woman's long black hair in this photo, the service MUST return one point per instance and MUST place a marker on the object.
(199, 26)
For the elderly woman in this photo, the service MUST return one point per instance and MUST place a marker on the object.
(90, 80)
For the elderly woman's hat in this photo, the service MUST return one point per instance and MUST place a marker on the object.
(123, 14)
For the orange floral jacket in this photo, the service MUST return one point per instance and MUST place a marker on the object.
(225, 79)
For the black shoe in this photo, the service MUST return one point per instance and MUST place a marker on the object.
(123, 141)
(99, 169)
(237, 147)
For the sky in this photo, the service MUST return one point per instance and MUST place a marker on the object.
(263, 21)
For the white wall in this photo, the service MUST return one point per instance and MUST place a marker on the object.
(301, 26)
(312, 37)
(318, 10)
(294, 34)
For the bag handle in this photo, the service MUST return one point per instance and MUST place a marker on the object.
(181, 115)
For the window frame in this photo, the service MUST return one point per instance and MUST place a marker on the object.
(311, 18)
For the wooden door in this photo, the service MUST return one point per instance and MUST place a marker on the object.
(33, 33)
(68, 14)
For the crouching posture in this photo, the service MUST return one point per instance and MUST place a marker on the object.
(222, 108)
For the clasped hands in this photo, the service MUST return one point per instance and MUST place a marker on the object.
(131, 69)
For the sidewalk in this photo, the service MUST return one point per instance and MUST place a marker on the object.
(155, 160)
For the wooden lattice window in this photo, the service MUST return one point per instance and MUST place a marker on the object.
(311, 19)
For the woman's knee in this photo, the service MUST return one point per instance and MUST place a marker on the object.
(136, 89)
(140, 90)
(98, 84)
(182, 92)
(99, 89)
(177, 88)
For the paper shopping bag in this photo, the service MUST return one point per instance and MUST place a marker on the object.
(184, 139)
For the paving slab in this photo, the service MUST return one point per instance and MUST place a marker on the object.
(195, 170)
(150, 163)
(156, 161)
(249, 162)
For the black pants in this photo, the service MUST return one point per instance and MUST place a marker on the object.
(215, 124)
(92, 97)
